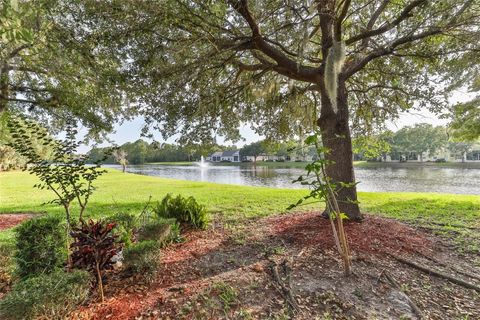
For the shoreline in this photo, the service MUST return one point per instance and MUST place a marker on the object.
(301, 165)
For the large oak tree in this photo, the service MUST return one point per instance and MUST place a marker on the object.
(201, 68)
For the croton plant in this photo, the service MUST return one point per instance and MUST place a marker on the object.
(94, 247)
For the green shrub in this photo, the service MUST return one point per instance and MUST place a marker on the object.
(7, 264)
(126, 225)
(143, 258)
(164, 231)
(184, 210)
(41, 246)
(49, 296)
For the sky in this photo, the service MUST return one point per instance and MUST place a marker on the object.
(130, 131)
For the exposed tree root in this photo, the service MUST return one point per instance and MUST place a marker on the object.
(437, 273)
(459, 271)
(412, 304)
(420, 223)
(284, 285)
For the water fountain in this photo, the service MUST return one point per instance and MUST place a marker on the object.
(202, 163)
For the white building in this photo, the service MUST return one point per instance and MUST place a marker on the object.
(225, 156)
(215, 157)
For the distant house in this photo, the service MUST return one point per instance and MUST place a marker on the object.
(215, 157)
(225, 156)
(252, 158)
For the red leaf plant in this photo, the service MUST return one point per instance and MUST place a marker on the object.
(93, 248)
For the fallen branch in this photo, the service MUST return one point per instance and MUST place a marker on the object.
(412, 304)
(284, 289)
(430, 271)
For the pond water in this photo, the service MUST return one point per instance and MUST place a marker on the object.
(375, 179)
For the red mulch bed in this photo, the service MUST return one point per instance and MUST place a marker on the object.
(10, 220)
(374, 235)
(179, 278)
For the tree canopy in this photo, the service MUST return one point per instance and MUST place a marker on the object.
(466, 121)
(52, 68)
(206, 67)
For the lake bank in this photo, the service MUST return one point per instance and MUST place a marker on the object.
(371, 177)
(118, 192)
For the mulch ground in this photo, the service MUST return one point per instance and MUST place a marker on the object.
(229, 274)
(10, 220)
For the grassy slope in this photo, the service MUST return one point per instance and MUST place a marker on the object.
(129, 192)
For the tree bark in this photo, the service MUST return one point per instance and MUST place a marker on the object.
(335, 130)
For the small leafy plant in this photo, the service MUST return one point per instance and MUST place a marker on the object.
(184, 210)
(161, 230)
(323, 189)
(126, 226)
(65, 173)
(93, 248)
(40, 246)
(143, 258)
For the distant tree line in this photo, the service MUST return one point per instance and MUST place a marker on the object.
(413, 143)
(140, 152)
(408, 143)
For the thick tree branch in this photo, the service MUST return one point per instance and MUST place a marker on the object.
(389, 49)
(376, 14)
(406, 13)
(341, 17)
(286, 65)
(352, 69)
(373, 19)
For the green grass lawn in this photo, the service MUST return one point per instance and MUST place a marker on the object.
(129, 192)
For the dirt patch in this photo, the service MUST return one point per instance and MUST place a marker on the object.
(10, 220)
(227, 274)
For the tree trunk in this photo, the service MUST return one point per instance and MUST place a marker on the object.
(335, 130)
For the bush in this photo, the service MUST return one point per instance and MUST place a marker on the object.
(164, 231)
(41, 246)
(125, 227)
(7, 265)
(184, 210)
(143, 258)
(49, 296)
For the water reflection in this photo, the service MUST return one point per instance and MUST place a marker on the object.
(393, 179)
